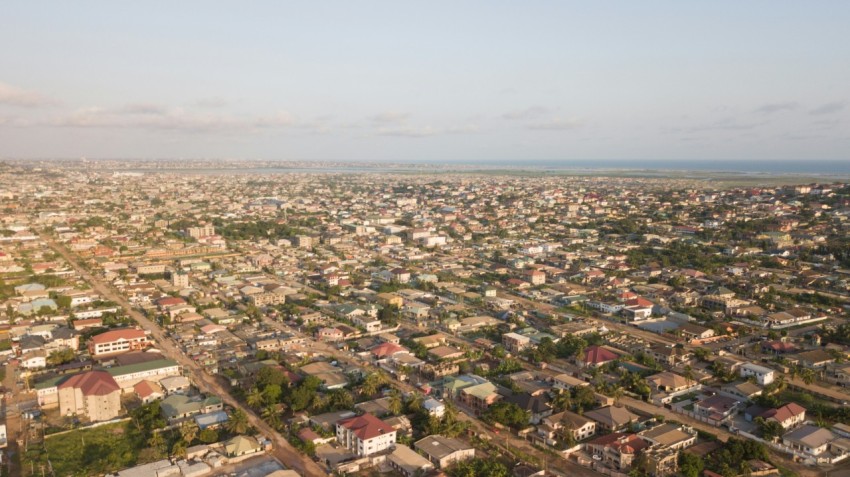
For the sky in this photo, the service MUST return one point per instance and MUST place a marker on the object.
(446, 81)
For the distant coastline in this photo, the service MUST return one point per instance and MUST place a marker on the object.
(720, 172)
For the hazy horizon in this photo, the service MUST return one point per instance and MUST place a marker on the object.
(472, 82)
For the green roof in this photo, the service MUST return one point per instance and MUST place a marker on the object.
(49, 383)
(141, 367)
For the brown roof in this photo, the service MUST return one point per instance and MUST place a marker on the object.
(598, 354)
(115, 335)
(146, 388)
(92, 383)
(366, 426)
(782, 414)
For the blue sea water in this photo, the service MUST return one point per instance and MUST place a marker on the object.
(742, 166)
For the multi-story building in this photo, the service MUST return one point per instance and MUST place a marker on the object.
(93, 394)
(118, 341)
(365, 435)
(762, 374)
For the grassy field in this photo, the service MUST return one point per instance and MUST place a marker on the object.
(84, 452)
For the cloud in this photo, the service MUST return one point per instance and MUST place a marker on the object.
(211, 103)
(527, 113)
(407, 131)
(390, 117)
(771, 108)
(727, 124)
(425, 131)
(155, 118)
(142, 108)
(557, 124)
(12, 96)
(829, 108)
(15, 122)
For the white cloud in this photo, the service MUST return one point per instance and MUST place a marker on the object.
(12, 96)
(390, 117)
(771, 108)
(557, 124)
(829, 108)
(408, 131)
(527, 113)
(153, 117)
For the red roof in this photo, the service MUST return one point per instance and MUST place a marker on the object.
(92, 383)
(115, 335)
(366, 427)
(598, 355)
(622, 442)
(782, 414)
(170, 301)
(146, 388)
(639, 301)
(386, 349)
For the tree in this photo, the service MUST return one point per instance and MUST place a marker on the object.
(269, 375)
(208, 436)
(415, 402)
(562, 401)
(396, 405)
(506, 413)
(179, 449)
(770, 429)
(157, 442)
(690, 465)
(477, 467)
(583, 397)
(301, 397)
(188, 431)
(272, 416)
(61, 356)
(373, 383)
(272, 394)
(254, 398)
(807, 375)
(238, 422)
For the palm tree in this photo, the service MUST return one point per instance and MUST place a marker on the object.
(373, 383)
(254, 398)
(617, 393)
(157, 442)
(807, 375)
(396, 405)
(179, 449)
(271, 415)
(415, 402)
(189, 431)
(238, 423)
(562, 401)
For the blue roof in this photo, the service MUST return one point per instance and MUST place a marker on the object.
(210, 419)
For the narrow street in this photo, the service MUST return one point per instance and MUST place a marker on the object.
(283, 450)
(12, 413)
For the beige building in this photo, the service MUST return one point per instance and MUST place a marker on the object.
(93, 394)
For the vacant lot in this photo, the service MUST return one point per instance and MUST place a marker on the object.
(85, 452)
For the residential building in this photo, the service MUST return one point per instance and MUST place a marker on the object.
(365, 435)
(115, 342)
(93, 394)
(763, 375)
(444, 451)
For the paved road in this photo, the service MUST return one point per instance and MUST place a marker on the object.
(283, 450)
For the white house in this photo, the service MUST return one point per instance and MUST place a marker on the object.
(762, 374)
(365, 435)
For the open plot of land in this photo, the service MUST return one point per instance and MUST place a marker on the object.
(85, 452)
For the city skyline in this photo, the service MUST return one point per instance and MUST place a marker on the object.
(379, 81)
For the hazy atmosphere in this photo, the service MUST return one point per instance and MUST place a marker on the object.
(443, 81)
